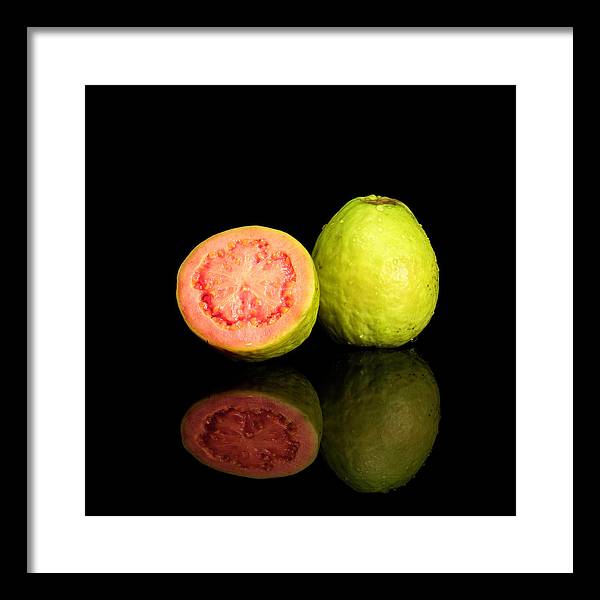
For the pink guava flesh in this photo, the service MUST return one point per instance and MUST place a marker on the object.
(245, 283)
(250, 435)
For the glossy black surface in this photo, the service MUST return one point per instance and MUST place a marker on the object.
(167, 167)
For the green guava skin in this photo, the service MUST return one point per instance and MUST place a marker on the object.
(378, 274)
(381, 412)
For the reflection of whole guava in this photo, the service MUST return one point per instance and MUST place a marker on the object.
(381, 411)
(377, 272)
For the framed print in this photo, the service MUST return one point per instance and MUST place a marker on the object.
(293, 289)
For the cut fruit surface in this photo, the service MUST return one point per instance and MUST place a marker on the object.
(250, 291)
(269, 427)
(246, 284)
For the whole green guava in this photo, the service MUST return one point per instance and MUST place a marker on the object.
(378, 274)
(381, 410)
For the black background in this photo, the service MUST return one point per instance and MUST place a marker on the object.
(167, 167)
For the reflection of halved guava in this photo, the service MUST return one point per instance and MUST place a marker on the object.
(378, 274)
(269, 426)
(251, 292)
(380, 418)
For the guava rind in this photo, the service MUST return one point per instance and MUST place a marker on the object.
(381, 411)
(285, 387)
(378, 274)
(288, 339)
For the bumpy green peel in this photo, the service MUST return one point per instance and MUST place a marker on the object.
(378, 274)
(381, 412)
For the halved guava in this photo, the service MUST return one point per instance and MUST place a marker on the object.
(270, 426)
(251, 292)
(378, 274)
(381, 410)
